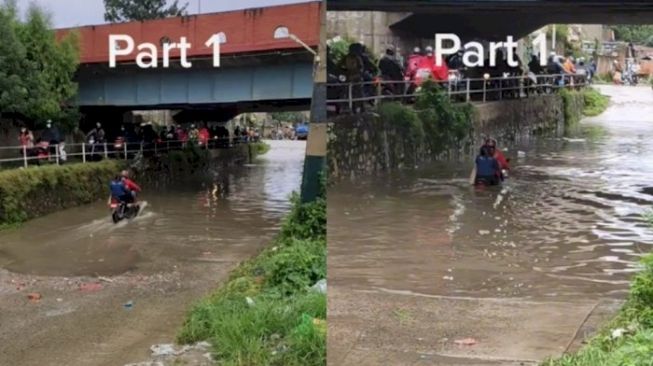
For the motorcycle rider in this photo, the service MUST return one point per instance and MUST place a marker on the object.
(119, 191)
(123, 189)
(486, 167)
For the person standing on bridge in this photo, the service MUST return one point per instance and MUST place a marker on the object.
(26, 139)
(193, 134)
(96, 137)
(391, 71)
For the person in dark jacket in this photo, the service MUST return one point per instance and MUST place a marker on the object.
(486, 168)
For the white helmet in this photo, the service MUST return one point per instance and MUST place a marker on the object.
(416, 50)
(429, 49)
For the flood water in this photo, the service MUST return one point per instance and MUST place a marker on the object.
(567, 222)
(222, 211)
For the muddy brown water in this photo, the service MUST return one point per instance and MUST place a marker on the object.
(227, 208)
(568, 223)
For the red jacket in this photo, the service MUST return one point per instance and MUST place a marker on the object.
(413, 63)
(501, 159)
(130, 185)
(437, 73)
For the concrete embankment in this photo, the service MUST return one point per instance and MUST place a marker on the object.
(365, 144)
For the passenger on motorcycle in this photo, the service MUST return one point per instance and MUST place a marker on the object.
(131, 186)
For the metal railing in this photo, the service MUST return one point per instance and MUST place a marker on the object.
(348, 95)
(86, 152)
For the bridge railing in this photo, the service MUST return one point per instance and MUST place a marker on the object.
(343, 97)
(87, 152)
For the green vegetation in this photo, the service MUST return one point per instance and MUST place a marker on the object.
(595, 102)
(190, 159)
(628, 339)
(289, 117)
(435, 122)
(639, 34)
(266, 314)
(258, 148)
(588, 102)
(339, 48)
(127, 10)
(36, 70)
(33, 192)
(604, 78)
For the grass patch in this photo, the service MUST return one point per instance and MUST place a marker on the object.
(258, 148)
(265, 314)
(576, 104)
(628, 339)
(595, 102)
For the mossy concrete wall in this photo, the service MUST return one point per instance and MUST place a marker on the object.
(363, 144)
(37, 191)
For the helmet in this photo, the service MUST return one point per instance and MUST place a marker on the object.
(417, 50)
(124, 174)
(98, 125)
(429, 49)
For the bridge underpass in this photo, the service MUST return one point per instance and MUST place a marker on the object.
(279, 81)
(495, 19)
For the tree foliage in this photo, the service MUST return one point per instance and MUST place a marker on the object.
(640, 34)
(126, 10)
(36, 69)
(288, 117)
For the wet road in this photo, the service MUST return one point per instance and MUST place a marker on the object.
(187, 240)
(567, 224)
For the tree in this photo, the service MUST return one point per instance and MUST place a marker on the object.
(641, 34)
(52, 65)
(288, 117)
(13, 62)
(126, 10)
(36, 69)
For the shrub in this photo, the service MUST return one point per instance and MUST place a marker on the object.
(36, 191)
(595, 102)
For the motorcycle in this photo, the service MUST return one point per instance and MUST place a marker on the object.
(123, 210)
(42, 151)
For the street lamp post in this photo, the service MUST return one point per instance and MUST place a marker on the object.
(316, 144)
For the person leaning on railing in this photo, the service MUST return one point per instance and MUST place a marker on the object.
(26, 139)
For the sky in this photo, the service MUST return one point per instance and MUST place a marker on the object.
(72, 13)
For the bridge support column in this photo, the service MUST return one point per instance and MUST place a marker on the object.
(316, 144)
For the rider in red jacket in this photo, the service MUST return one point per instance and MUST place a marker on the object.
(130, 184)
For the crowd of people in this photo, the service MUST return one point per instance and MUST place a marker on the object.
(403, 75)
(98, 141)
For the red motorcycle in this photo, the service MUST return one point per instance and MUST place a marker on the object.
(42, 151)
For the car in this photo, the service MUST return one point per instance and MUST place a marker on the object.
(301, 131)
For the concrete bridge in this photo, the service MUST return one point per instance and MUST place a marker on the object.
(494, 19)
(261, 69)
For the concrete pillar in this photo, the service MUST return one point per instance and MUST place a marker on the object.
(316, 144)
